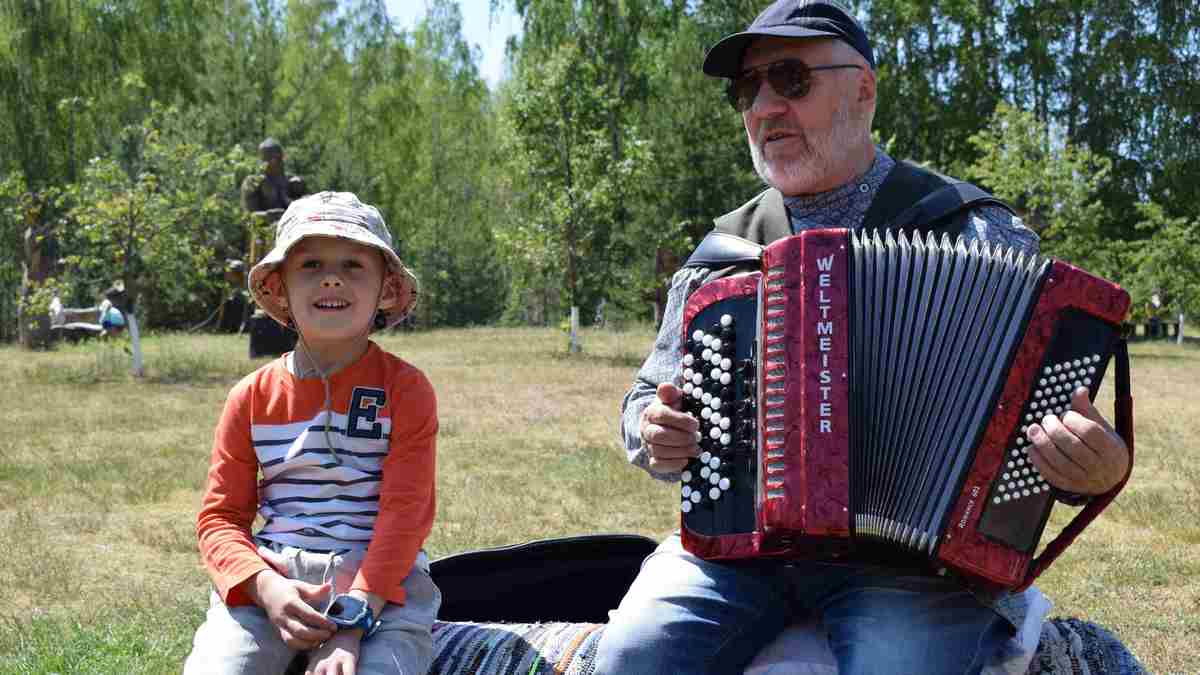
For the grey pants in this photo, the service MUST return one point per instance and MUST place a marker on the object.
(242, 640)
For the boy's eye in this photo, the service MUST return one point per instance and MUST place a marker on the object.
(310, 264)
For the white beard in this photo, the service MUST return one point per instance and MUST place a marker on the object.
(817, 156)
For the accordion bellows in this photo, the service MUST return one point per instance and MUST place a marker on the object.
(871, 391)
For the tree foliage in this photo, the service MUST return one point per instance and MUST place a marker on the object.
(593, 168)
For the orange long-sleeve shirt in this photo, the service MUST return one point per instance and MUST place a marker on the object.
(271, 456)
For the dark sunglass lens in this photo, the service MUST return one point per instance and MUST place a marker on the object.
(742, 90)
(790, 79)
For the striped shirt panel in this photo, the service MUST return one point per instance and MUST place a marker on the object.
(306, 497)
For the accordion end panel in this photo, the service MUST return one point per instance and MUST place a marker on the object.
(717, 493)
(1069, 337)
(806, 360)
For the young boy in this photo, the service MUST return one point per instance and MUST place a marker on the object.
(333, 446)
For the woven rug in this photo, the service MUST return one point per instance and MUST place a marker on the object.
(1068, 647)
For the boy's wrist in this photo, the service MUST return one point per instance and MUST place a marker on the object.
(255, 586)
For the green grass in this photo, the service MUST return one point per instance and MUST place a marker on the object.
(101, 474)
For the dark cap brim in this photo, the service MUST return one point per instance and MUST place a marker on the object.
(724, 59)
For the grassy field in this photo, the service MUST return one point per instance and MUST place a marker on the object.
(100, 478)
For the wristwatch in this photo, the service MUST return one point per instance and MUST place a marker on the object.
(348, 611)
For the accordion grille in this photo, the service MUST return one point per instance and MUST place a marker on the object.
(934, 324)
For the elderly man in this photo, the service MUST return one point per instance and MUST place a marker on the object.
(803, 78)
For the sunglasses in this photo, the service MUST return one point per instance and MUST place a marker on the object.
(790, 78)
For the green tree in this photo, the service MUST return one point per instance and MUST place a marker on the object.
(1051, 183)
(1166, 263)
(155, 216)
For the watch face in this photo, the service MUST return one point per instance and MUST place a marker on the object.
(347, 610)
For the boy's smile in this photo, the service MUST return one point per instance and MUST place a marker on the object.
(333, 291)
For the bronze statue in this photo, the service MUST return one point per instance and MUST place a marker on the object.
(267, 195)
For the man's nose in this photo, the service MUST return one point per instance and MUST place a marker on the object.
(767, 102)
(331, 280)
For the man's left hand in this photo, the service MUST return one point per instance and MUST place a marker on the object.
(1079, 452)
(337, 656)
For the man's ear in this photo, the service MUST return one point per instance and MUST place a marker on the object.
(866, 86)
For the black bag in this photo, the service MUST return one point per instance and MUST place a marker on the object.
(575, 579)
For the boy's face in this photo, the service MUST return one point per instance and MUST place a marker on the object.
(333, 289)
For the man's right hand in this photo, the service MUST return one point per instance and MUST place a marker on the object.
(669, 435)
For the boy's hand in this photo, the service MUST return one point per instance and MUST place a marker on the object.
(286, 603)
(338, 656)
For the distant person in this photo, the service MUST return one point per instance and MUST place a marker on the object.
(343, 435)
(112, 320)
(1154, 308)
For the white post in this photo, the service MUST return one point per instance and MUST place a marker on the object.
(136, 340)
(1179, 330)
(573, 345)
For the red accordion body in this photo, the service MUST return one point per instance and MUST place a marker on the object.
(876, 390)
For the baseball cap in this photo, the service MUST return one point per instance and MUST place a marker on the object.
(340, 215)
(792, 19)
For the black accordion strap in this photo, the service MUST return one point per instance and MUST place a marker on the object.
(956, 197)
(1123, 410)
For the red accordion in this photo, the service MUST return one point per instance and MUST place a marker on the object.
(867, 391)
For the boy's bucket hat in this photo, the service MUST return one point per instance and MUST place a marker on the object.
(332, 214)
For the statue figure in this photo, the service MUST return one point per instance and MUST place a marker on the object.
(267, 195)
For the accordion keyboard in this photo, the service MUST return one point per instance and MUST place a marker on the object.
(1016, 508)
(718, 386)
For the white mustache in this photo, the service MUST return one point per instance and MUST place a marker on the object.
(768, 129)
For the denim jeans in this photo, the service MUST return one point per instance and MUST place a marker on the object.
(684, 615)
(242, 639)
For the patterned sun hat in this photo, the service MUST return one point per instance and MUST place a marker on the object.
(332, 214)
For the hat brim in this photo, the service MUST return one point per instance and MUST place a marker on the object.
(406, 291)
(724, 59)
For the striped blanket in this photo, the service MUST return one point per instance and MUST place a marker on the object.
(1068, 647)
